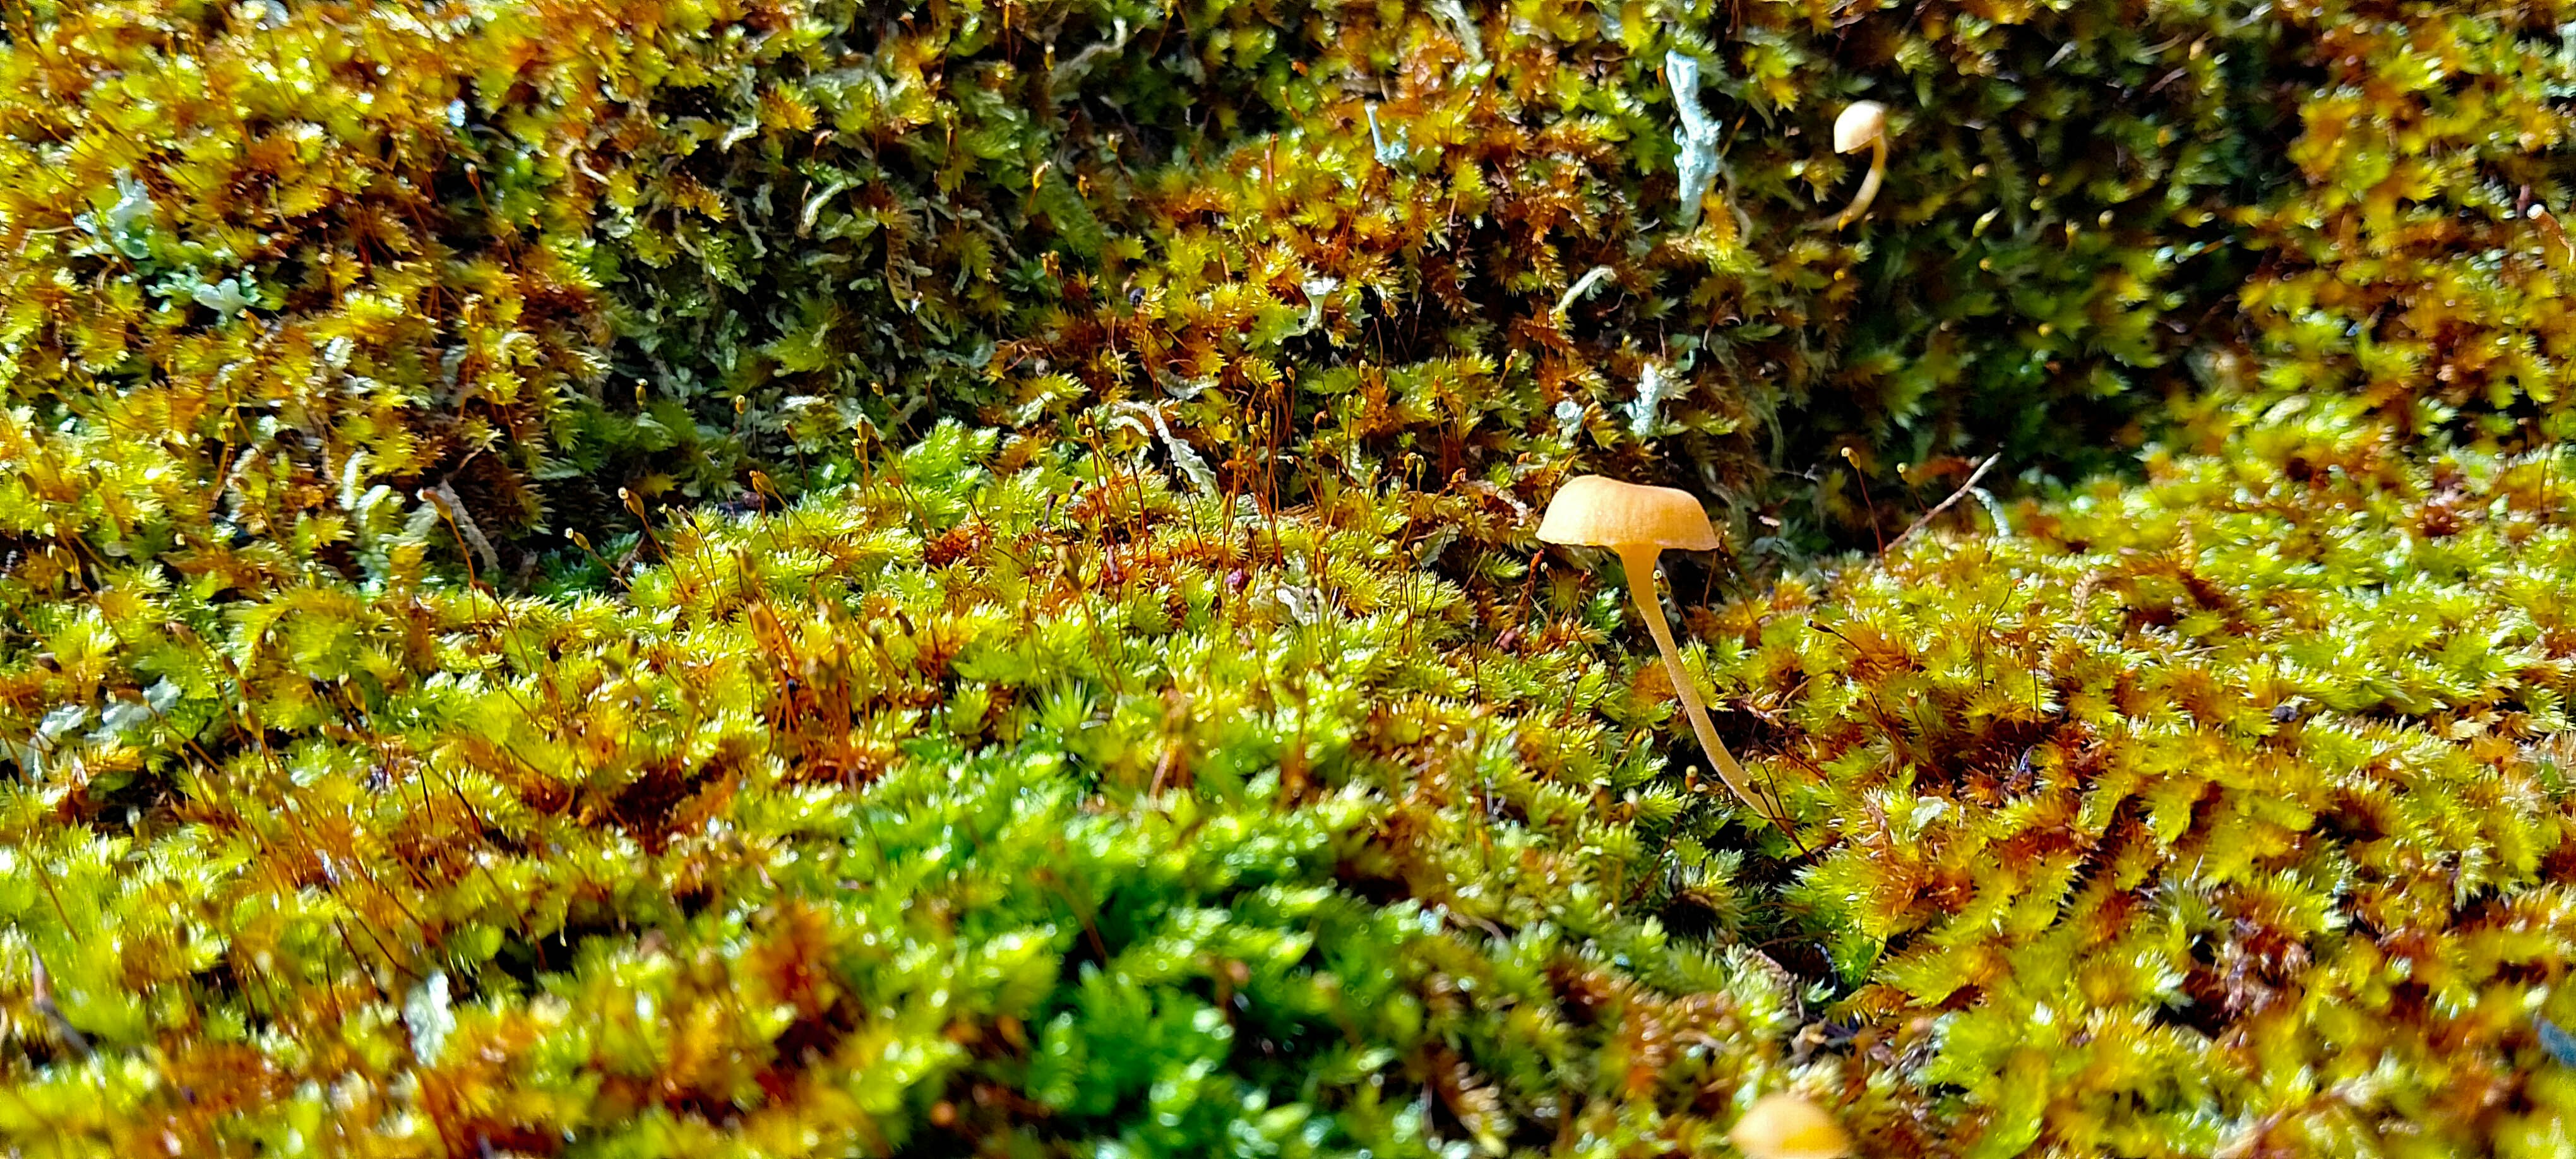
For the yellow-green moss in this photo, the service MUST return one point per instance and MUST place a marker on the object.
(425, 727)
(2227, 811)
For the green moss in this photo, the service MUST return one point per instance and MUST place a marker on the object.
(967, 804)
(761, 575)
(536, 252)
(994, 801)
(2224, 811)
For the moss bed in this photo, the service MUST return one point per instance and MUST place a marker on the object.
(793, 577)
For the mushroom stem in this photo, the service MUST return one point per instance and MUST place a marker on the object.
(1639, 562)
(1868, 185)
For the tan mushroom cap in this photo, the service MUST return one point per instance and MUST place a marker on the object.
(1788, 1127)
(1862, 123)
(1592, 511)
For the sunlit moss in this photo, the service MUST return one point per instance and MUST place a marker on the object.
(1051, 805)
(2226, 811)
(773, 576)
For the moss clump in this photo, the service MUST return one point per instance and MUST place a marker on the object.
(1008, 799)
(259, 262)
(978, 803)
(2227, 811)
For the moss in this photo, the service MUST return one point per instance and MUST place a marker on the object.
(2220, 812)
(533, 253)
(773, 576)
(967, 804)
(2235, 789)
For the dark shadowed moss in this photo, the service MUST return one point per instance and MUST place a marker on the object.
(260, 261)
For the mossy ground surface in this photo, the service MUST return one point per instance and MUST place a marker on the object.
(792, 577)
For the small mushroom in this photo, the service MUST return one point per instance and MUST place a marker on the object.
(1864, 123)
(1785, 1126)
(1640, 523)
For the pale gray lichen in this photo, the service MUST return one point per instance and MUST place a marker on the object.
(427, 1014)
(1389, 153)
(1697, 135)
(1655, 386)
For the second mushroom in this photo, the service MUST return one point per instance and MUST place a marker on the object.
(1864, 124)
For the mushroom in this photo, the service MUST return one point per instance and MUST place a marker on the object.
(1864, 123)
(1785, 1126)
(1639, 523)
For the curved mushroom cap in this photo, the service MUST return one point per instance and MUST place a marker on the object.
(1862, 123)
(1591, 511)
(1788, 1127)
